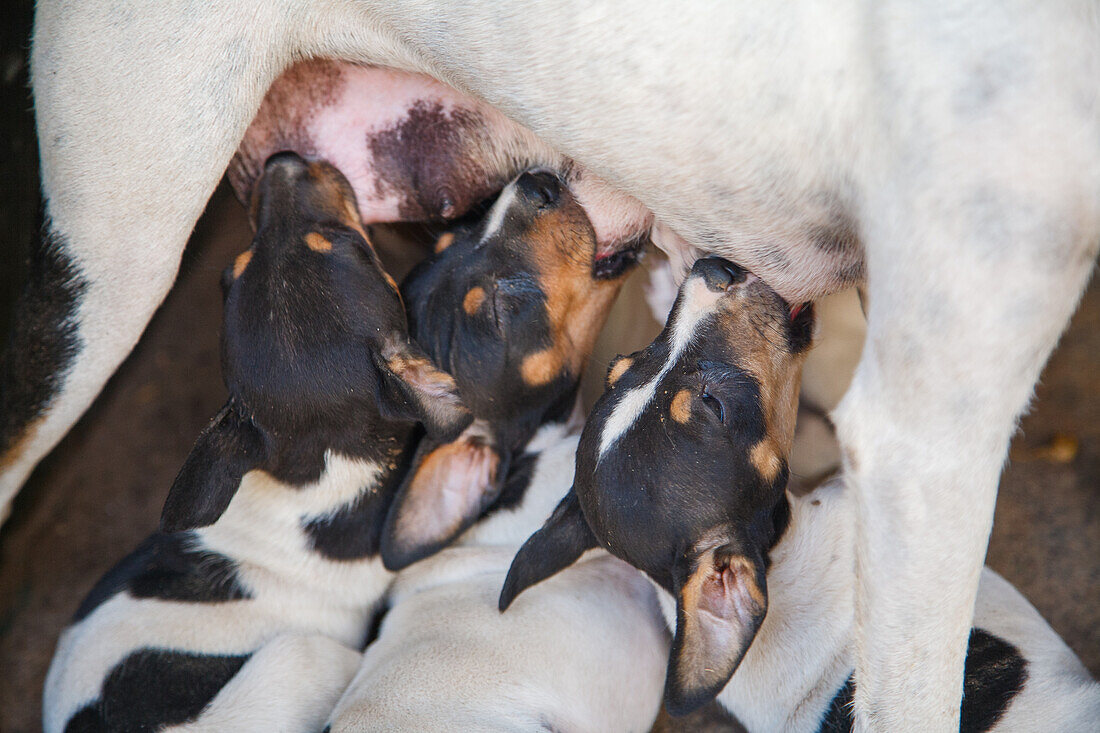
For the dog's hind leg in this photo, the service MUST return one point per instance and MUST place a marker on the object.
(138, 113)
(969, 291)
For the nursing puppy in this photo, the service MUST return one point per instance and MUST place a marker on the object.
(246, 609)
(511, 308)
(681, 471)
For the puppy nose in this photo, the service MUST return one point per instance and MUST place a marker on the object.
(719, 274)
(541, 188)
(285, 162)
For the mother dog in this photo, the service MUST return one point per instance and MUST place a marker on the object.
(952, 155)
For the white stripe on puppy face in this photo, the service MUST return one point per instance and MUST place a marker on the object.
(499, 211)
(697, 303)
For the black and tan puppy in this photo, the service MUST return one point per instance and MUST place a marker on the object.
(445, 658)
(681, 471)
(511, 306)
(714, 396)
(247, 609)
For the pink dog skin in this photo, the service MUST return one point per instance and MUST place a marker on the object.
(413, 148)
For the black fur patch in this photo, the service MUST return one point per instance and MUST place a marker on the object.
(87, 720)
(520, 472)
(355, 531)
(43, 341)
(153, 688)
(838, 718)
(163, 566)
(995, 674)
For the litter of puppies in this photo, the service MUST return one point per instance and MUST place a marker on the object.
(386, 448)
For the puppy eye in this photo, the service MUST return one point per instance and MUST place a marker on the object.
(714, 405)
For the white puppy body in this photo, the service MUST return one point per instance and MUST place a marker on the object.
(559, 659)
(948, 156)
(297, 617)
(803, 653)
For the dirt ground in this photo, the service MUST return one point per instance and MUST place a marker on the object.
(100, 492)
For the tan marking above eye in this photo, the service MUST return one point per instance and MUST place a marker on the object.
(241, 262)
(444, 242)
(540, 368)
(318, 243)
(475, 296)
(618, 369)
(765, 459)
(681, 407)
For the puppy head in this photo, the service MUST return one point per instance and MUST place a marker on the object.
(682, 467)
(315, 349)
(511, 306)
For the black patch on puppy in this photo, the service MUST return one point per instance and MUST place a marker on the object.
(521, 470)
(995, 673)
(44, 339)
(355, 531)
(838, 718)
(87, 720)
(165, 567)
(154, 688)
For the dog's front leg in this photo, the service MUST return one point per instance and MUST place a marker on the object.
(969, 291)
(138, 113)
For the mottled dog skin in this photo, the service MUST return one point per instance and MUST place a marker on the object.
(445, 658)
(681, 471)
(246, 610)
(947, 156)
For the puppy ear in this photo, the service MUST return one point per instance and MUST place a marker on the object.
(226, 450)
(721, 602)
(426, 393)
(556, 546)
(447, 489)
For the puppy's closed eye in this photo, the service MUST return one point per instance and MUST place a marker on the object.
(714, 405)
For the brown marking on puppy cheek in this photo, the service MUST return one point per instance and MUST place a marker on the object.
(619, 369)
(318, 243)
(563, 244)
(680, 410)
(765, 459)
(541, 367)
(776, 371)
(475, 296)
(444, 242)
(241, 263)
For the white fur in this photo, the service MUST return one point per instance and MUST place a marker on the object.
(583, 651)
(498, 212)
(694, 307)
(304, 622)
(962, 144)
(804, 652)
